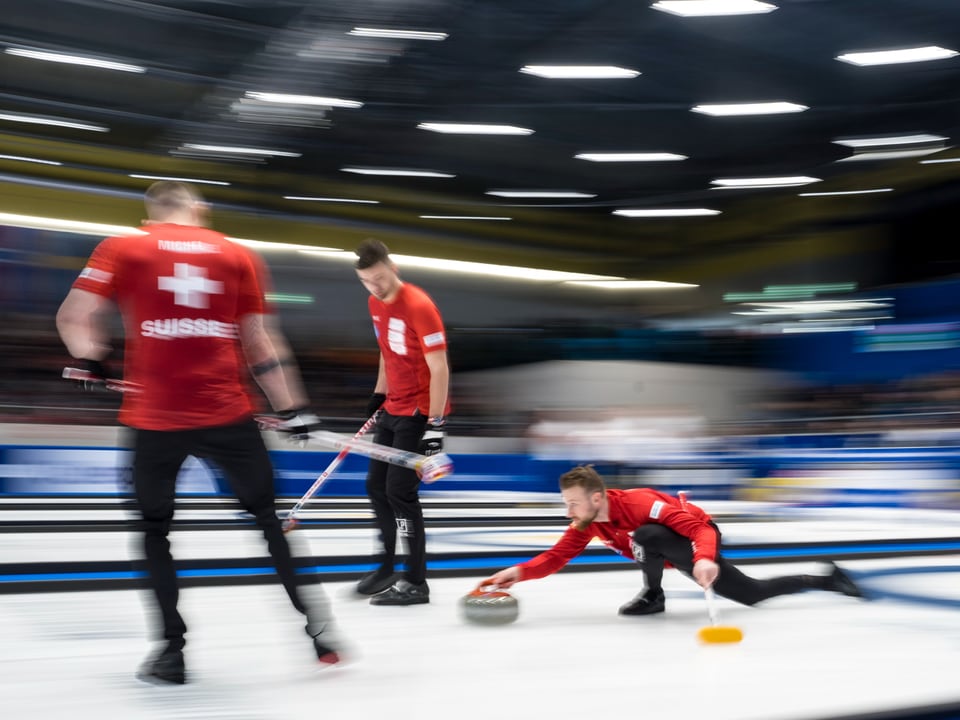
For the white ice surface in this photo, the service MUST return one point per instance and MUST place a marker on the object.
(569, 655)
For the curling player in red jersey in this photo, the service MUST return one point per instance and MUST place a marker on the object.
(196, 326)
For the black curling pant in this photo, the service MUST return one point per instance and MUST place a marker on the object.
(238, 450)
(394, 495)
(656, 544)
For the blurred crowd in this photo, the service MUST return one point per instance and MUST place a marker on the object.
(930, 401)
(339, 382)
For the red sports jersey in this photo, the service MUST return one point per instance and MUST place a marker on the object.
(628, 510)
(181, 291)
(406, 330)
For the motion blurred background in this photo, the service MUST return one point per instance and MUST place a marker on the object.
(649, 226)
(703, 244)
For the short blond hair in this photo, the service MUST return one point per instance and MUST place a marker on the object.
(168, 197)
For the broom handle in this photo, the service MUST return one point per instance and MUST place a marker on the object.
(711, 609)
(707, 592)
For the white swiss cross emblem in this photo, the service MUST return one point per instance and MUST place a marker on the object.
(190, 285)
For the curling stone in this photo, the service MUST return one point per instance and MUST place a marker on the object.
(494, 607)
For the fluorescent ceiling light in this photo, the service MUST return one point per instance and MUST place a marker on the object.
(79, 227)
(845, 192)
(287, 99)
(269, 245)
(75, 60)
(629, 156)
(539, 194)
(631, 284)
(814, 307)
(474, 129)
(666, 212)
(508, 271)
(894, 57)
(941, 160)
(462, 217)
(499, 271)
(578, 72)
(397, 34)
(330, 199)
(235, 150)
(788, 292)
(196, 181)
(399, 172)
(57, 122)
(760, 108)
(796, 329)
(30, 160)
(889, 154)
(703, 8)
(289, 298)
(867, 142)
(761, 182)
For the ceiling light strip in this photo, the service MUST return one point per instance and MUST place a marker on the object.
(632, 284)
(845, 192)
(897, 57)
(463, 217)
(75, 60)
(20, 158)
(473, 128)
(579, 72)
(288, 99)
(567, 194)
(629, 156)
(195, 181)
(396, 172)
(761, 108)
(398, 34)
(889, 140)
(665, 212)
(238, 150)
(760, 182)
(708, 8)
(52, 121)
(330, 199)
(474, 268)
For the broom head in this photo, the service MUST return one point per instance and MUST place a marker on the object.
(720, 634)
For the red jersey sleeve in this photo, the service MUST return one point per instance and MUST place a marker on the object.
(570, 544)
(99, 274)
(428, 324)
(254, 283)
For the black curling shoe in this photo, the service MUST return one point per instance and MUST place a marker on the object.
(646, 603)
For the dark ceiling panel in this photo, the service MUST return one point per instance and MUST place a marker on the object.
(202, 57)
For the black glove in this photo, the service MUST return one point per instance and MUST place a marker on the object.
(375, 402)
(432, 441)
(297, 423)
(98, 375)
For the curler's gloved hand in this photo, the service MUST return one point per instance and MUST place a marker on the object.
(375, 402)
(298, 423)
(98, 375)
(433, 436)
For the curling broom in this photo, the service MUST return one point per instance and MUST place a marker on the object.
(715, 633)
(291, 522)
(429, 468)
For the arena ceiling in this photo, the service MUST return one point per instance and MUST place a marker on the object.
(205, 74)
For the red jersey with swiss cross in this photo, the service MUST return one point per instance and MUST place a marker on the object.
(406, 330)
(628, 510)
(181, 291)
